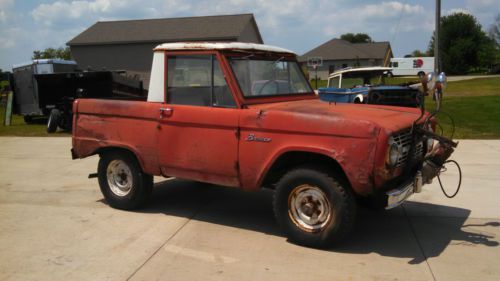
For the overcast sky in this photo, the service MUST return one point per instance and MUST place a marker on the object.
(298, 25)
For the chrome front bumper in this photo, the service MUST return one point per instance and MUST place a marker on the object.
(397, 196)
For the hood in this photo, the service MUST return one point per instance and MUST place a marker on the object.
(341, 119)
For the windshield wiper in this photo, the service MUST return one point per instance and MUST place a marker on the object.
(248, 57)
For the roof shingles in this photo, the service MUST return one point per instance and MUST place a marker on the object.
(228, 27)
(338, 49)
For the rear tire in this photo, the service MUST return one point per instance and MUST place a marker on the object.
(313, 207)
(53, 121)
(122, 182)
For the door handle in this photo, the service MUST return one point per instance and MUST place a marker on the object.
(166, 112)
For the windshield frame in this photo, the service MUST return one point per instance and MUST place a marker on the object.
(269, 56)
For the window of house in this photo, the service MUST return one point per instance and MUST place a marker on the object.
(197, 80)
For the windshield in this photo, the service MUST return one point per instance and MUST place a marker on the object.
(276, 77)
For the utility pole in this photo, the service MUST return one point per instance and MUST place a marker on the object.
(437, 65)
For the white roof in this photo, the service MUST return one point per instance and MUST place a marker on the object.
(44, 61)
(362, 69)
(221, 46)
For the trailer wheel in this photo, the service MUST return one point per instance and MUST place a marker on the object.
(53, 120)
(313, 207)
(28, 119)
(122, 182)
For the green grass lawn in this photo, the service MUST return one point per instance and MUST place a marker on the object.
(20, 128)
(474, 105)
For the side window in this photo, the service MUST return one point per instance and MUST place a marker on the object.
(197, 80)
(334, 82)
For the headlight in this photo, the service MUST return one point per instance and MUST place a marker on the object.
(393, 154)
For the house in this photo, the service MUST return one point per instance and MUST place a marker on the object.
(338, 54)
(128, 45)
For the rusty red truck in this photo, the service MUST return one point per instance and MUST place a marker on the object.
(244, 115)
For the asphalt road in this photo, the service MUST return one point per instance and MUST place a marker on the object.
(55, 226)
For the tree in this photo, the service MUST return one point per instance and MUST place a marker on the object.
(494, 30)
(463, 44)
(494, 33)
(356, 38)
(417, 53)
(51, 53)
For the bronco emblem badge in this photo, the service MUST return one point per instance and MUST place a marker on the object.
(252, 137)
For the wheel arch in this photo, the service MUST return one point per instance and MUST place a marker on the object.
(120, 149)
(294, 158)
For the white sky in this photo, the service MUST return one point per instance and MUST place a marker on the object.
(298, 25)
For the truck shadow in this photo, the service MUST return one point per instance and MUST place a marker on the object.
(414, 230)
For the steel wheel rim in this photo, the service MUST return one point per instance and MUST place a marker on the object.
(119, 178)
(309, 208)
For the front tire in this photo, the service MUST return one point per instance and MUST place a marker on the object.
(313, 207)
(122, 182)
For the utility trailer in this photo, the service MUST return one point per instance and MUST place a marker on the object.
(45, 88)
(59, 90)
(25, 87)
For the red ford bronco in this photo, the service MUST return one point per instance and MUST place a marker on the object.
(244, 115)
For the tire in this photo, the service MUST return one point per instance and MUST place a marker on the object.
(53, 121)
(28, 119)
(334, 202)
(122, 182)
(390, 75)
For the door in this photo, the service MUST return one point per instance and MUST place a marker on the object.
(198, 123)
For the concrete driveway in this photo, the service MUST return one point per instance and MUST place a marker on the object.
(55, 226)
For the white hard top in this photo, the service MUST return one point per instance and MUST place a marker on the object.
(44, 61)
(362, 69)
(221, 46)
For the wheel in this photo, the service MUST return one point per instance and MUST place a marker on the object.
(53, 120)
(122, 182)
(28, 119)
(390, 75)
(65, 121)
(313, 207)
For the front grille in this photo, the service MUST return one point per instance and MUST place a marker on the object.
(404, 141)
